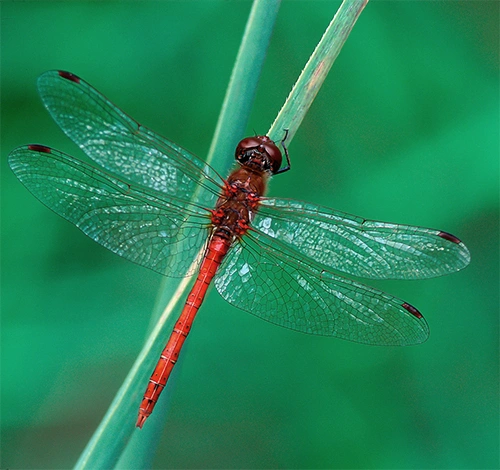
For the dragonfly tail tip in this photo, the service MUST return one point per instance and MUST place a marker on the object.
(140, 421)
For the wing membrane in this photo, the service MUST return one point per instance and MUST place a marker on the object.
(360, 247)
(120, 144)
(264, 277)
(158, 231)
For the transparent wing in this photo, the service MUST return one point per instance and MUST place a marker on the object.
(121, 145)
(153, 229)
(262, 276)
(360, 247)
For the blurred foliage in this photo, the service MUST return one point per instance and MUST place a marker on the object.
(406, 129)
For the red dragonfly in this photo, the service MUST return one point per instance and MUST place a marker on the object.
(158, 205)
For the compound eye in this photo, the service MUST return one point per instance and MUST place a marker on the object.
(274, 153)
(259, 149)
(246, 144)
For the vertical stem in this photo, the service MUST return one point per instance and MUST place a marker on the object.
(312, 77)
(107, 447)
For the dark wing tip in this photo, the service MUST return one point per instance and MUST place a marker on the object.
(39, 148)
(412, 310)
(462, 252)
(69, 76)
(449, 237)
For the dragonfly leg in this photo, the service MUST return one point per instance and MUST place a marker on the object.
(287, 167)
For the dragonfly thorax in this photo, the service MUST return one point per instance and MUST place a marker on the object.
(260, 153)
(238, 202)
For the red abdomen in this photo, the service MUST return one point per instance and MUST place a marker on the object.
(216, 251)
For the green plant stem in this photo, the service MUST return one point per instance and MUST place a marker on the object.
(312, 77)
(240, 94)
(106, 447)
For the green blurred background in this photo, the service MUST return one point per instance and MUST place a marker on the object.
(406, 129)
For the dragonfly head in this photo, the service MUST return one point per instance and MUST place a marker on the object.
(259, 152)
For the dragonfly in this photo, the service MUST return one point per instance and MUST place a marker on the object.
(285, 261)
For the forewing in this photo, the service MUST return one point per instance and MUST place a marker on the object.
(265, 278)
(156, 230)
(120, 144)
(360, 247)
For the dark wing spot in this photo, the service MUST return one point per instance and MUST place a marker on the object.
(412, 310)
(69, 76)
(39, 148)
(449, 237)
